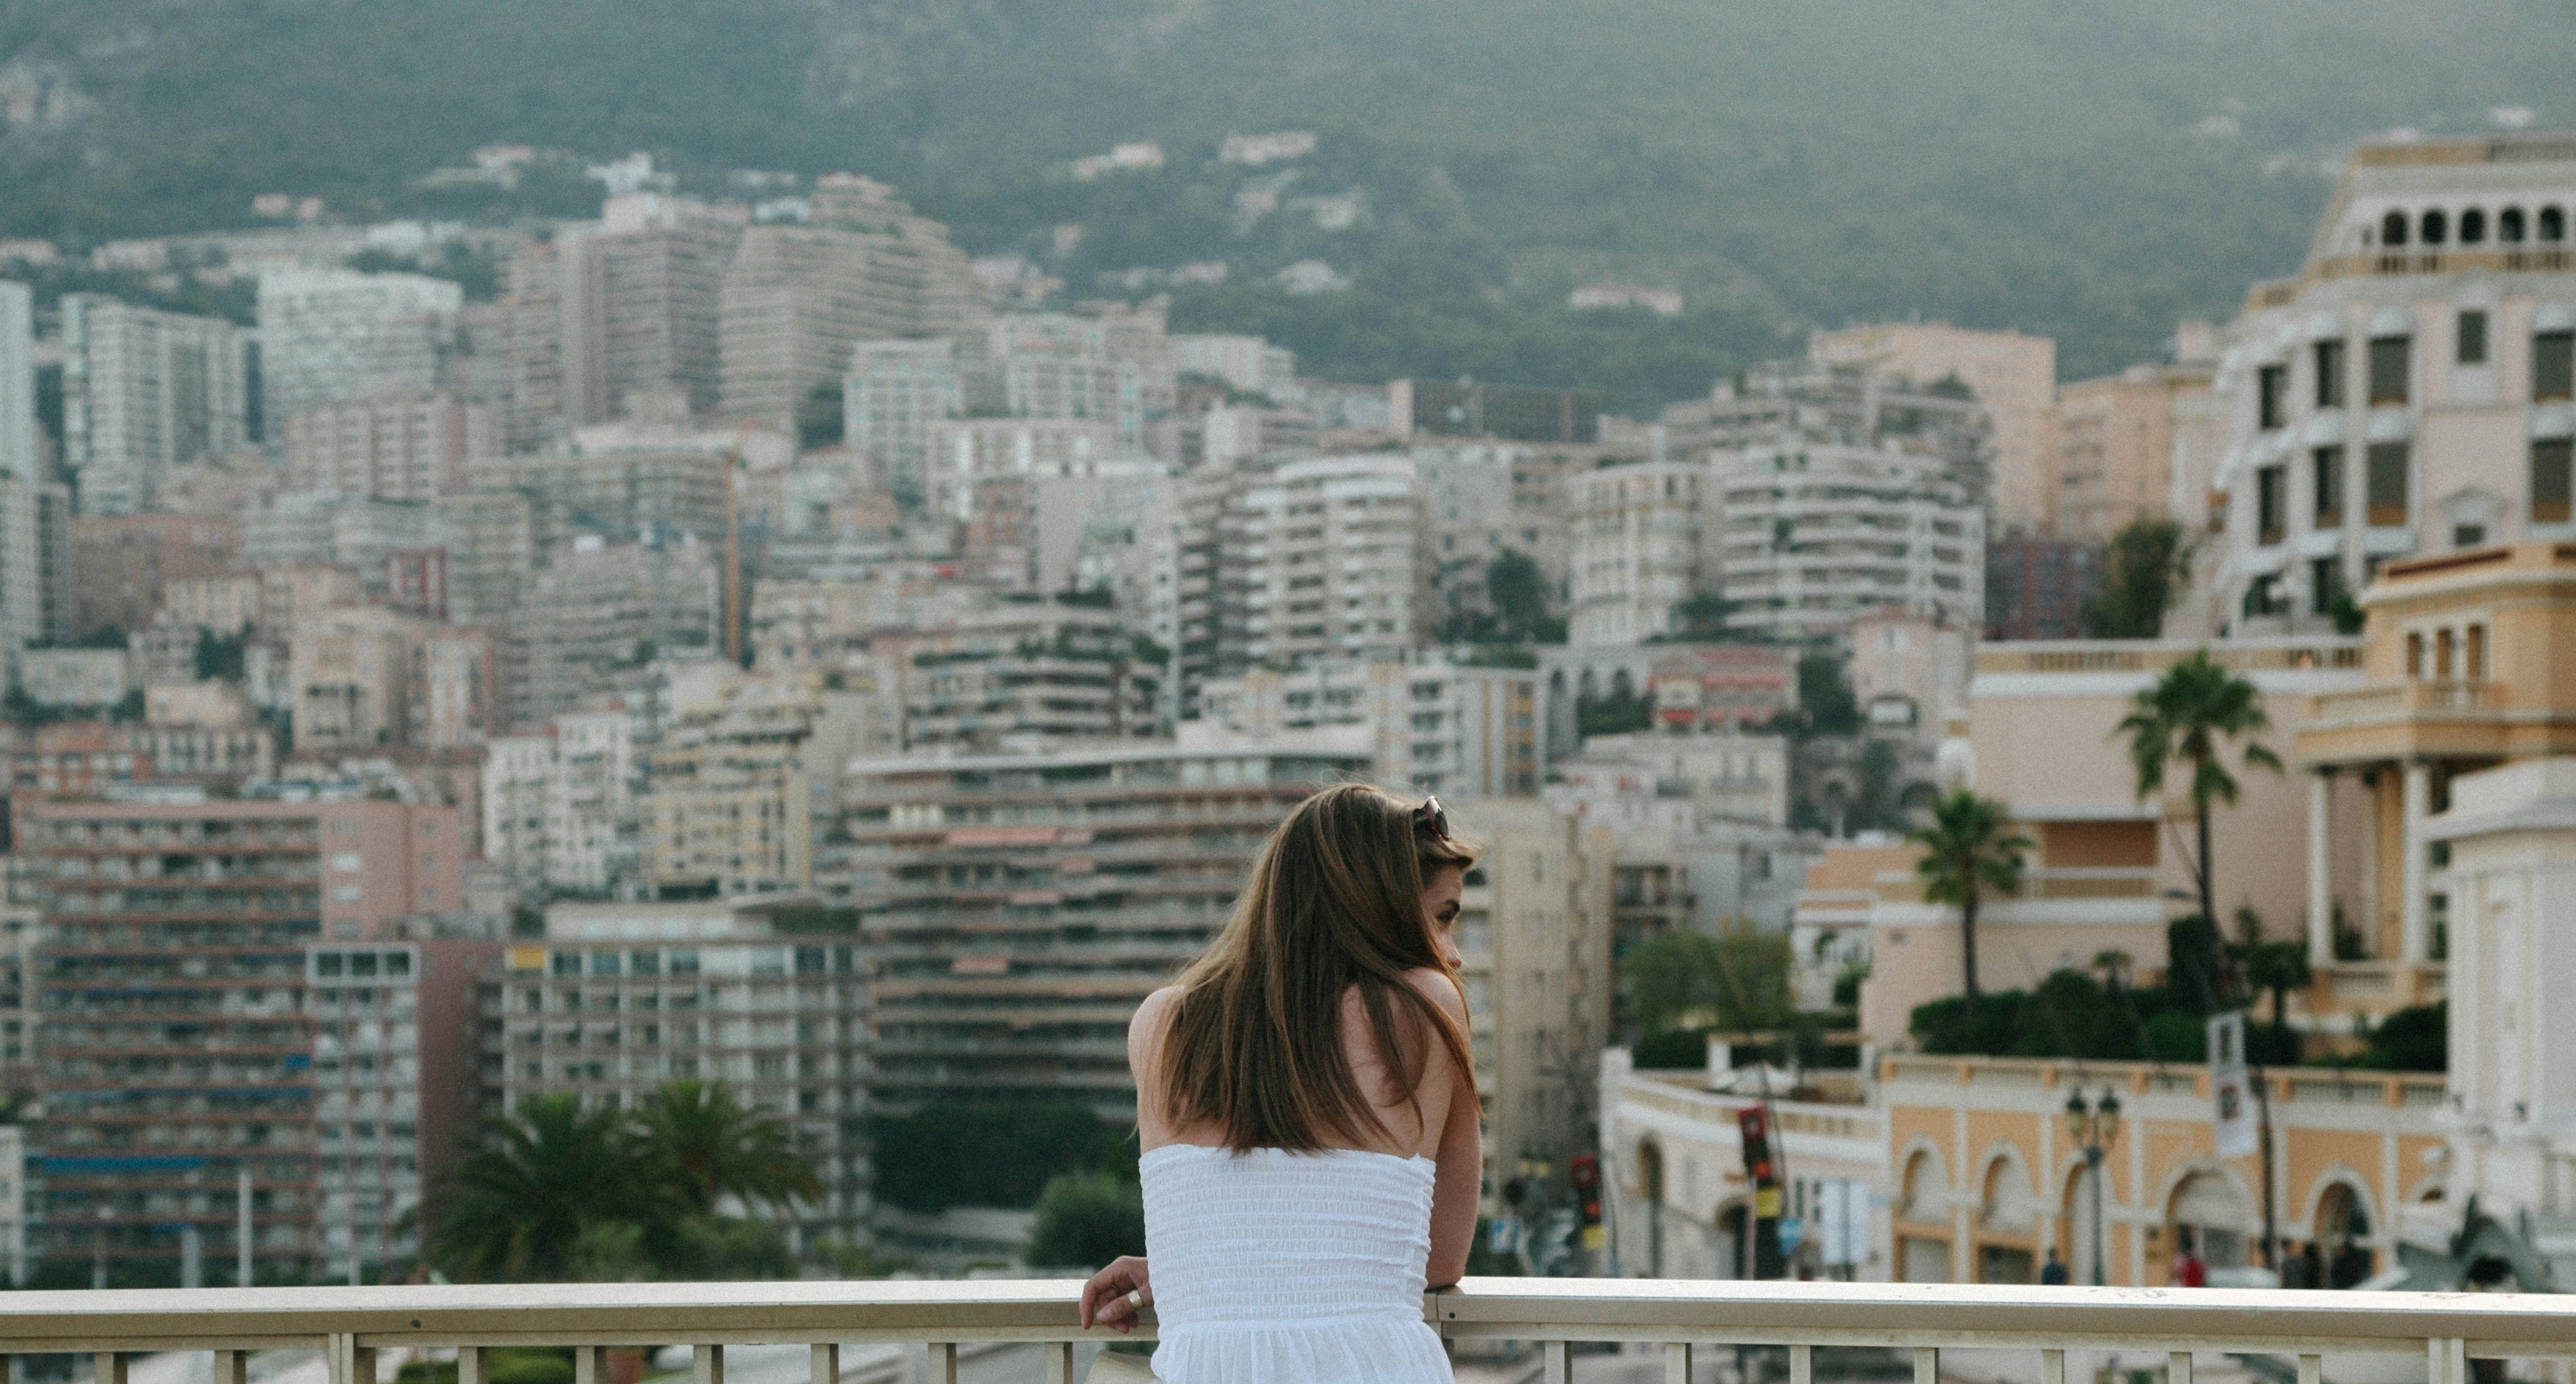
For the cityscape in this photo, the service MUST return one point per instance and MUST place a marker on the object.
(608, 717)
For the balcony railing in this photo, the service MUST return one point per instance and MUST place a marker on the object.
(349, 1325)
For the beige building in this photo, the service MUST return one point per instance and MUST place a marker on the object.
(367, 676)
(1438, 726)
(2013, 375)
(1534, 933)
(1645, 542)
(2409, 392)
(2470, 658)
(2114, 461)
(78, 677)
(728, 802)
(145, 392)
(390, 446)
(1815, 534)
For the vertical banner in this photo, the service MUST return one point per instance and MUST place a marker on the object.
(2230, 1092)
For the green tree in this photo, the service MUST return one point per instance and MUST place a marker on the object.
(1517, 588)
(712, 1146)
(522, 1202)
(1703, 616)
(1737, 981)
(2142, 566)
(2185, 719)
(1969, 849)
(2277, 967)
(2411, 1040)
(1826, 695)
(1087, 1219)
(818, 417)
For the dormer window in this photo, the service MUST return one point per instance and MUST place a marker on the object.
(2392, 229)
(2553, 223)
(2473, 227)
(2437, 228)
(2509, 225)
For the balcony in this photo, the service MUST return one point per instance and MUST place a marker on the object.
(2441, 1333)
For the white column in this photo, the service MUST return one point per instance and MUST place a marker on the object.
(2321, 869)
(2411, 922)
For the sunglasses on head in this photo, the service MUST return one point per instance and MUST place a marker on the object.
(1429, 817)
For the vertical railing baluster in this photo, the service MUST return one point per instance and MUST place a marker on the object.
(110, 1368)
(1802, 1365)
(1927, 1365)
(2178, 1367)
(943, 1364)
(1059, 1362)
(1677, 1362)
(589, 1365)
(231, 1367)
(706, 1364)
(826, 1367)
(2312, 1369)
(1559, 1356)
(2052, 1367)
(2449, 1359)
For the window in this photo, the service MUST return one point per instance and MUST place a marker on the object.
(2387, 498)
(2468, 535)
(2473, 226)
(2262, 595)
(2553, 366)
(2388, 369)
(2553, 223)
(2325, 584)
(2415, 655)
(2271, 387)
(2550, 466)
(2509, 225)
(2473, 654)
(2325, 485)
(348, 893)
(2471, 339)
(2436, 228)
(2442, 645)
(2271, 504)
(2392, 228)
(2329, 374)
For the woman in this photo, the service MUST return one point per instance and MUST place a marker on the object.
(1307, 1105)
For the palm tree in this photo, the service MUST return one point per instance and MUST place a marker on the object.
(2183, 719)
(520, 1202)
(711, 1145)
(1968, 848)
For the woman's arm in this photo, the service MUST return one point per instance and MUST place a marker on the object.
(1459, 1183)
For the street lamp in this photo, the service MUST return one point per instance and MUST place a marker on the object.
(2094, 1129)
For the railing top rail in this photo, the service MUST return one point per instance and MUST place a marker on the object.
(1898, 1314)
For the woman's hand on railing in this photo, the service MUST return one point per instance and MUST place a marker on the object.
(1116, 1295)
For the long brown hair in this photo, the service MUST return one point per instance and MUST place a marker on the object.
(1334, 902)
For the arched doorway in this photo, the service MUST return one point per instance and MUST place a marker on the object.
(1650, 1184)
(2209, 1212)
(2342, 1234)
(1922, 1238)
(2006, 1214)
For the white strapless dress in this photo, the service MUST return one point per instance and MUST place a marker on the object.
(1273, 1267)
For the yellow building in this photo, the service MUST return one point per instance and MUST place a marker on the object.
(2014, 376)
(2471, 664)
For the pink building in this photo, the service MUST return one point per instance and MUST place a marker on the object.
(390, 446)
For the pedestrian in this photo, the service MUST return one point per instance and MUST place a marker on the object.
(2188, 1270)
(2053, 1273)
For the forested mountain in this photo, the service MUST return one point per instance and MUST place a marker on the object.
(2088, 169)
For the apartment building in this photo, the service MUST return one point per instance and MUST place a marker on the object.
(2012, 376)
(1437, 726)
(365, 677)
(78, 677)
(1645, 543)
(2409, 391)
(143, 392)
(1816, 534)
(391, 447)
(331, 334)
(1000, 676)
(122, 564)
(1330, 563)
(621, 485)
(1534, 932)
(1248, 363)
(2037, 588)
(179, 1051)
(18, 432)
(560, 806)
(1015, 908)
(1485, 500)
(893, 394)
(324, 528)
(2116, 447)
(794, 298)
(767, 996)
(595, 619)
(730, 789)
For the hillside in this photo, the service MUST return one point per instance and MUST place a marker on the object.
(2084, 169)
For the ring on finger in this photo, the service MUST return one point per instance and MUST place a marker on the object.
(1136, 1298)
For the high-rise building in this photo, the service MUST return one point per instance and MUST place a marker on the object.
(730, 789)
(1817, 534)
(1439, 726)
(1014, 909)
(327, 335)
(179, 1048)
(1645, 543)
(24, 490)
(2115, 449)
(145, 391)
(1335, 563)
(121, 565)
(767, 996)
(2409, 392)
(18, 456)
(596, 619)
(796, 297)
(390, 446)
(2014, 376)
(894, 393)
(363, 677)
(560, 805)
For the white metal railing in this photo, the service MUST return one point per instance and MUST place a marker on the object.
(350, 1324)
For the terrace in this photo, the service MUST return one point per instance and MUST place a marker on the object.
(2293, 1334)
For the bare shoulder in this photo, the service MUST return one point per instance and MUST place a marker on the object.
(1442, 991)
(1154, 1015)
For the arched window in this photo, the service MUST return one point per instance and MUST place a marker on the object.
(2392, 229)
(2509, 225)
(2212, 1215)
(2436, 228)
(2342, 1252)
(2473, 226)
(2553, 224)
(2008, 1204)
(1926, 1190)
